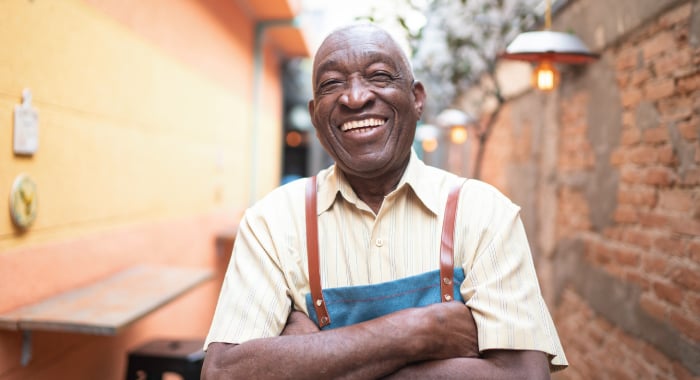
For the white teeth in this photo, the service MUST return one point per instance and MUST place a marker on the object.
(350, 125)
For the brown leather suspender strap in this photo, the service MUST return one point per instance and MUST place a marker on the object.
(447, 245)
(312, 254)
(446, 250)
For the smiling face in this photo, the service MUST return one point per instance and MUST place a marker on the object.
(366, 103)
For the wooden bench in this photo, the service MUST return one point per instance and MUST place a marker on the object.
(105, 307)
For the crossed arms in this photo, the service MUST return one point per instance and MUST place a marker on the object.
(436, 341)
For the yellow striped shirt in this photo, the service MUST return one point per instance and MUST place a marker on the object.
(267, 275)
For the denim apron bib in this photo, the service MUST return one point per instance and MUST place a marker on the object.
(343, 306)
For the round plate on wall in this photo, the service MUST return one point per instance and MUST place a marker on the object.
(24, 201)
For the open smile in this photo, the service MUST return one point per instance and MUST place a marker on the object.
(361, 124)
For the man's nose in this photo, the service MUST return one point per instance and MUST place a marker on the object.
(357, 94)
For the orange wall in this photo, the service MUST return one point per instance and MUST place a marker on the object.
(145, 113)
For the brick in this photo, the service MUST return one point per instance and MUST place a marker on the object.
(687, 71)
(659, 88)
(642, 155)
(626, 214)
(682, 373)
(637, 196)
(640, 367)
(688, 325)
(659, 176)
(694, 251)
(667, 155)
(630, 136)
(651, 219)
(653, 307)
(659, 43)
(675, 109)
(631, 175)
(656, 135)
(655, 263)
(627, 257)
(639, 76)
(691, 177)
(631, 97)
(689, 83)
(690, 129)
(641, 239)
(621, 373)
(668, 292)
(676, 200)
(685, 226)
(623, 79)
(668, 64)
(659, 360)
(693, 303)
(626, 60)
(686, 277)
(669, 245)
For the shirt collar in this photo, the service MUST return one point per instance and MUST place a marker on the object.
(332, 182)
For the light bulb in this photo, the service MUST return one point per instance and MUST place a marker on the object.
(545, 76)
(458, 134)
(429, 145)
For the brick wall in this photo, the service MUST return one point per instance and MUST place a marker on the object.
(653, 241)
(624, 270)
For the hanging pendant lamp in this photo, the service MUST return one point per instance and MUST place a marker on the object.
(547, 47)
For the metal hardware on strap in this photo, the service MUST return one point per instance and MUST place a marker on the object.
(447, 245)
(312, 254)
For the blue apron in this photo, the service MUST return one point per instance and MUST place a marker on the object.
(343, 306)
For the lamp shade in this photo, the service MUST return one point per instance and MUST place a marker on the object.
(548, 45)
(453, 117)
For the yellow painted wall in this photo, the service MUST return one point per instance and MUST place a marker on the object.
(145, 113)
(126, 132)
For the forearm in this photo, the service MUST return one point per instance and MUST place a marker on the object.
(363, 351)
(367, 350)
(496, 364)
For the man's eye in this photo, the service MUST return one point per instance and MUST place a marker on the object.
(329, 85)
(381, 77)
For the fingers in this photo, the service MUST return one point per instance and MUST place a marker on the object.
(299, 323)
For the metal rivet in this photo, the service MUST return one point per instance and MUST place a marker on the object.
(319, 302)
(448, 297)
(324, 320)
(447, 280)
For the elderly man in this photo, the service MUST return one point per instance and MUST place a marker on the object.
(379, 266)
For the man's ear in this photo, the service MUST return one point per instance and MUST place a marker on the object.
(419, 97)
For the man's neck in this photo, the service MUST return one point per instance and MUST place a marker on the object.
(373, 190)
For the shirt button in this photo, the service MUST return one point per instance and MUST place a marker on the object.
(380, 242)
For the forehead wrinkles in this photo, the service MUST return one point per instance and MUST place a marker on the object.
(341, 50)
(356, 60)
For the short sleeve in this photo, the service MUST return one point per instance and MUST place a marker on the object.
(502, 289)
(254, 301)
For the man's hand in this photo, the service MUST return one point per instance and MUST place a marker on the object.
(298, 323)
(441, 331)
